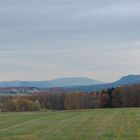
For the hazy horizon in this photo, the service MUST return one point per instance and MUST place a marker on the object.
(57, 78)
(49, 39)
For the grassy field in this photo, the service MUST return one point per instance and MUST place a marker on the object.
(98, 124)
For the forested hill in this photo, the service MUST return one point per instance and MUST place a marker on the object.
(62, 82)
(126, 80)
(74, 84)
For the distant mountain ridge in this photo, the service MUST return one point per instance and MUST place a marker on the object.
(74, 84)
(62, 82)
(126, 80)
(130, 79)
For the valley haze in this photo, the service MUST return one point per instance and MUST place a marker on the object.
(75, 83)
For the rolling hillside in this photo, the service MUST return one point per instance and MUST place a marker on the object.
(62, 82)
(74, 84)
(126, 80)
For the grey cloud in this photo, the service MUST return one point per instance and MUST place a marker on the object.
(57, 38)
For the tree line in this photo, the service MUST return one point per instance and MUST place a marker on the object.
(127, 96)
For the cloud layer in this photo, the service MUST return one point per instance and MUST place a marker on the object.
(43, 39)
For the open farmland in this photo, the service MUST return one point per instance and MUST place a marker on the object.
(98, 124)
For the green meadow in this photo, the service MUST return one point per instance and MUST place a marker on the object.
(98, 124)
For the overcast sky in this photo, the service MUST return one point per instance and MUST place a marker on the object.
(47, 39)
